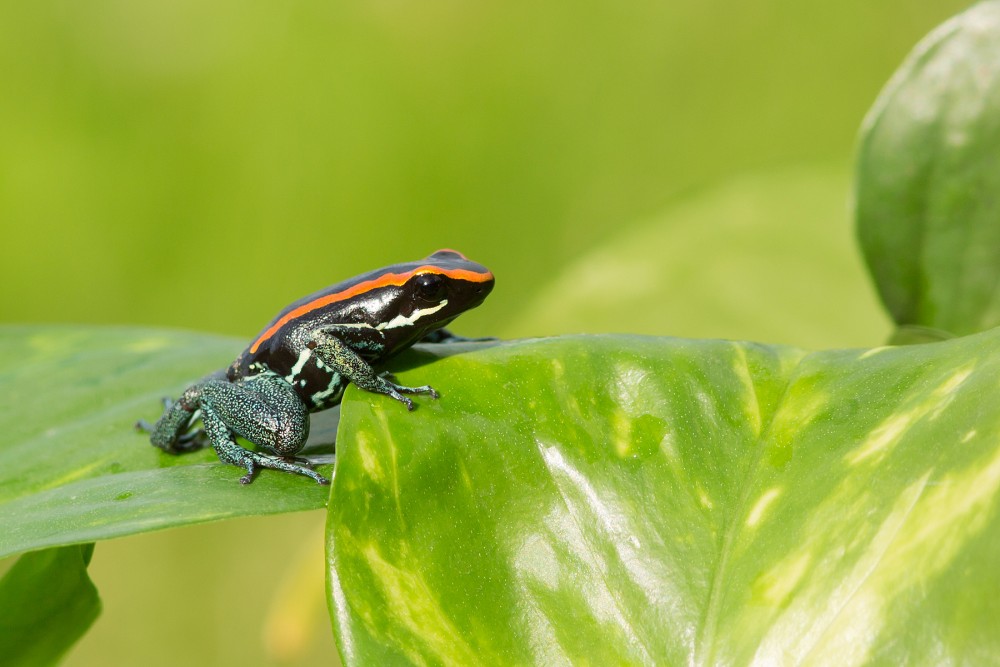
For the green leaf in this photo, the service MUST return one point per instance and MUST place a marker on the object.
(629, 500)
(928, 213)
(47, 602)
(72, 466)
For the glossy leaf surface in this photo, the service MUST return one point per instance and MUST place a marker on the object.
(72, 466)
(629, 500)
(928, 213)
(47, 602)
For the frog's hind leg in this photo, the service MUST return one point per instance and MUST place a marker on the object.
(267, 412)
(186, 442)
(171, 432)
(252, 462)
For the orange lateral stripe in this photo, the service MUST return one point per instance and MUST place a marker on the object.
(386, 280)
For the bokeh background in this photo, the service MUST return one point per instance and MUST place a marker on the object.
(665, 167)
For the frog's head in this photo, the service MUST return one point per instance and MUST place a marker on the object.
(443, 286)
(435, 290)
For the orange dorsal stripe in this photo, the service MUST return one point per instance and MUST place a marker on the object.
(385, 280)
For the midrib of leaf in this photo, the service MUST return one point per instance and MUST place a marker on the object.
(709, 626)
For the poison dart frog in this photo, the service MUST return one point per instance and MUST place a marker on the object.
(304, 358)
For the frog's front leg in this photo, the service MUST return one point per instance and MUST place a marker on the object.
(328, 345)
(265, 410)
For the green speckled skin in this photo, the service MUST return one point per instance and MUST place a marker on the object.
(304, 359)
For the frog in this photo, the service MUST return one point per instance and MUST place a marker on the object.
(304, 359)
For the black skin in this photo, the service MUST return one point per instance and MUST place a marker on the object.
(304, 359)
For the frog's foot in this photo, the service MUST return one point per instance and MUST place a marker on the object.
(396, 390)
(188, 442)
(300, 460)
(230, 452)
(191, 441)
(424, 389)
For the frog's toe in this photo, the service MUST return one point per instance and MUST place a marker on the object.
(191, 442)
(425, 389)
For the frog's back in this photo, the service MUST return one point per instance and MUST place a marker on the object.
(378, 300)
(274, 347)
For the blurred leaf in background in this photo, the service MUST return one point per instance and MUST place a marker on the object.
(768, 257)
(202, 164)
(928, 176)
(47, 602)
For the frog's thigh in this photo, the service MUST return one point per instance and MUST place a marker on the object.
(264, 410)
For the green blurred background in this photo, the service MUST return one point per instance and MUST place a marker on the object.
(676, 168)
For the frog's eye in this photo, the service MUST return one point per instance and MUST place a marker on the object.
(430, 286)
